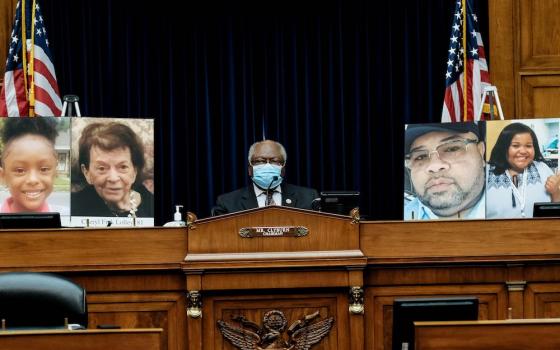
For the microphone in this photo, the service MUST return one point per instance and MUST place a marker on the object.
(514, 181)
(268, 195)
(316, 204)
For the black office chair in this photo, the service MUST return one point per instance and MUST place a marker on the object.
(41, 300)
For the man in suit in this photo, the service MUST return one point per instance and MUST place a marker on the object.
(267, 160)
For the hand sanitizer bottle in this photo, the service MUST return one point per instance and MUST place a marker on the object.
(177, 218)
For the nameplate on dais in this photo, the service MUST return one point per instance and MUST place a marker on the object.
(273, 231)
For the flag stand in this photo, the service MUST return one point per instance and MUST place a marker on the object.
(492, 92)
(73, 100)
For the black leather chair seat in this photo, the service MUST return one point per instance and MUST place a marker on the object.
(35, 300)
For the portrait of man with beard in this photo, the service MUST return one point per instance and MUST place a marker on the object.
(445, 168)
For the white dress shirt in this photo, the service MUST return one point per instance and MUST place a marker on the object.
(261, 195)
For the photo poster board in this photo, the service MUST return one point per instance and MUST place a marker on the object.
(444, 171)
(35, 172)
(529, 148)
(450, 188)
(41, 169)
(112, 184)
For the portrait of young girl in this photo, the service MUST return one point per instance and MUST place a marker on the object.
(33, 169)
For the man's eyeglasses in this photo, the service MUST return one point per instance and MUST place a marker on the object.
(446, 152)
(262, 161)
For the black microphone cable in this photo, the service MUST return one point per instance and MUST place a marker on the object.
(268, 194)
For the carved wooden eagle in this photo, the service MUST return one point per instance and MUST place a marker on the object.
(302, 333)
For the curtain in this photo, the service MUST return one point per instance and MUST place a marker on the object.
(334, 82)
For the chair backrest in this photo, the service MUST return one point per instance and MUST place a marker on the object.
(35, 300)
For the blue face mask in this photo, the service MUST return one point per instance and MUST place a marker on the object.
(263, 175)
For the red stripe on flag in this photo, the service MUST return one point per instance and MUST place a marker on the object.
(21, 94)
(43, 96)
(449, 104)
(3, 109)
(41, 68)
(461, 98)
(481, 52)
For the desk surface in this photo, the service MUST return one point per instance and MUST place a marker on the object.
(140, 276)
(122, 339)
(519, 334)
(387, 242)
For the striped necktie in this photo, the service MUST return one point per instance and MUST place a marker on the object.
(269, 198)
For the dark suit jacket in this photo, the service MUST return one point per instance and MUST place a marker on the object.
(244, 198)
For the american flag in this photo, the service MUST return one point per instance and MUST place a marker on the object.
(29, 56)
(474, 58)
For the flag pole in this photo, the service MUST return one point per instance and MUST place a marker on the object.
(31, 64)
(465, 60)
(24, 45)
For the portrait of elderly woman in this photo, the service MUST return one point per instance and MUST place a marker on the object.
(111, 163)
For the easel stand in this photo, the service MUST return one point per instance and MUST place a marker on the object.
(492, 93)
(70, 105)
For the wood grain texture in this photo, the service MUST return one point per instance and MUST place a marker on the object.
(138, 280)
(133, 277)
(539, 26)
(379, 306)
(483, 335)
(542, 300)
(221, 234)
(502, 53)
(540, 95)
(142, 310)
(122, 339)
(270, 279)
(139, 277)
(460, 241)
(98, 249)
(525, 42)
(421, 274)
(294, 307)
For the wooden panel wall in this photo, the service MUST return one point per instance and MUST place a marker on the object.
(142, 310)
(293, 306)
(137, 299)
(525, 56)
(139, 277)
(379, 301)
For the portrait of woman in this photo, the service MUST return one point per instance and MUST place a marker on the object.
(517, 174)
(111, 160)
